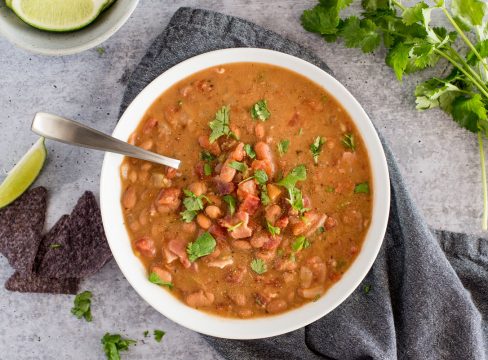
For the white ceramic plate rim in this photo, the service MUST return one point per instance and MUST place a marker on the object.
(26, 45)
(165, 303)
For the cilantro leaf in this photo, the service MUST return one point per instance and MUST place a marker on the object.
(220, 124)
(260, 111)
(155, 279)
(55, 246)
(82, 306)
(366, 289)
(283, 147)
(205, 155)
(296, 200)
(261, 176)
(300, 243)
(482, 48)
(316, 147)
(193, 204)
(414, 14)
(207, 169)
(349, 142)
(469, 12)
(470, 112)
(158, 335)
(239, 166)
(259, 266)
(146, 333)
(398, 58)
(436, 93)
(249, 151)
(265, 200)
(362, 188)
(360, 34)
(113, 344)
(298, 173)
(321, 19)
(202, 246)
(273, 230)
(231, 202)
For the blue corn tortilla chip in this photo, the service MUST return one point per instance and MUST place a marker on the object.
(37, 284)
(81, 248)
(21, 225)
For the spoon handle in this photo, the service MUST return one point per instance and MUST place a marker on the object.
(70, 132)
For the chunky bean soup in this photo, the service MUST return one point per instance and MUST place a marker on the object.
(273, 198)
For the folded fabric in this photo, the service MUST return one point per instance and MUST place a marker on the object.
(428, 292)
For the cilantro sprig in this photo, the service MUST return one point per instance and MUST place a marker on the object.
(155, 279)
(259, 111)
(113, 344)
(193, 204)
(412, 44)
(316, 148)
(295, 197)
(259, 266)
(82, 306)
(220, 124)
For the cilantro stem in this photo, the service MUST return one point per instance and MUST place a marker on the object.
(475, 81)
(464, 37)
(399, 5)
(471, 70)
(484, 223)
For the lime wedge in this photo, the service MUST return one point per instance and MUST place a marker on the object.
(23, 174)
(58, 15)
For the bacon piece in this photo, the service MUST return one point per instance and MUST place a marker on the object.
(282, 222)
(145, 245)
(169, 197)
(310, 223)
(223, 188)
(243, 230)
(246, 188)
(272, 243)
(250, 204)
(178, 247)
(213, 148)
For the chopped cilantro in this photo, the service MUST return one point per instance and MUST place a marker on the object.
(206, 156)
(82, 306)
(280, 252)
(296, 200)
(329, 189)
(220, 124)
(366, 288)
(155, 279)
(202, 246)
(193, 204)
(231, 202)
(260, 110)
(207, 169)
(265, 200)
(249, 151)
(113, 344)
(158, 335)
(273, 230)
(261, 176)
(299, 173)
(239, 166)
(100, 50)
(55, 246)
(293, 257)
(146, 333)
(300, 243)
(316, 147)
(362, 188)
(300, 131)
(320, 230)
(283, 147)
(259, 266)
(349, 142)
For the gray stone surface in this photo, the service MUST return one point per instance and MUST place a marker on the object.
(439, 160)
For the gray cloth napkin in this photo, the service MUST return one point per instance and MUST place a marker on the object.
(428, 296)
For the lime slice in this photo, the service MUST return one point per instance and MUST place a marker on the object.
(23, 174)
(58, 15)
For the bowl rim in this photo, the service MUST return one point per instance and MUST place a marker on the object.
(260, 327)
(73, 49)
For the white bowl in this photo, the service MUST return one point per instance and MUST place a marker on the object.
(171, 307)
(49, 43)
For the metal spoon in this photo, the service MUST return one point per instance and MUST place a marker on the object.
(70, 132)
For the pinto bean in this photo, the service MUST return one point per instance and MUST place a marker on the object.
(189, 227)
(145, 245)
(276, 306)
(311, 293)
(238, 153)
(306, 277)
(213, 212)
(241, 245)
(330, 223)
(200, 298)
(213, 148)
(169, 197)
(227, 173)
(203, 221)
(271, 213)
(264, 153)
(198, 188)
(266, 255)
(285, 265)
(147, 145)
(129, 198)
(237, 298)
(163, 274)
(149, 125)
(258, 240)
(259, 131)
(236, 275)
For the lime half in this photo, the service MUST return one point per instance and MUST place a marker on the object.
(58, 15)
(23, 174)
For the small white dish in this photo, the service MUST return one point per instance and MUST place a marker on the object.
(49, 43)
(170, 306)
